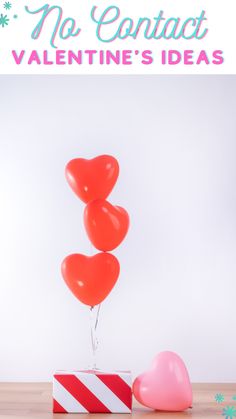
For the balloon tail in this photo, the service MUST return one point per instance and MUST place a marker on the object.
(94, 318)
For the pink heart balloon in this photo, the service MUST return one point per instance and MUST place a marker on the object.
(166, 386)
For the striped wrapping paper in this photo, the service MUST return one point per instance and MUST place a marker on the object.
(92, 392)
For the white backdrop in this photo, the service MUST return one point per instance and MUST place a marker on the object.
(175, 139)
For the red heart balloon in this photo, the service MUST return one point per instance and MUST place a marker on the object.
(92, 278)
(106, 225)
(92, 179)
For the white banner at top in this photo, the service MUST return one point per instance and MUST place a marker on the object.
(117, 37)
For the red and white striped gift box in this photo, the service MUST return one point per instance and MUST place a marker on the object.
(92, 392)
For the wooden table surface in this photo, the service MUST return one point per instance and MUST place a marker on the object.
(34, 400)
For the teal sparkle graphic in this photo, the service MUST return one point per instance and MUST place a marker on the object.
(3, 20)
(234, 397)
(219, 398)
(15, 16)
(7, 5)
(229, 412)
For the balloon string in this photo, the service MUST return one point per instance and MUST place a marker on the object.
(94, 318)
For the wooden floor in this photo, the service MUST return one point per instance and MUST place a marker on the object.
(34, 400)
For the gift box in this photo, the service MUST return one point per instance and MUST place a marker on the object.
(92, 392)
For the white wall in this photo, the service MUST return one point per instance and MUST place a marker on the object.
(175, 139)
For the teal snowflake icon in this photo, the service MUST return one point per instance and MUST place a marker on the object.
(3, 20)
(229, 412)
(219, 398)
(7, 5)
